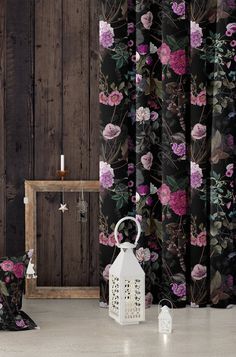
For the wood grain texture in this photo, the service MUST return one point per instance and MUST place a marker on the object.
(2, 127)
(48, 129)
(18, 116)
(33, 288)
(94, 146)
(75, 135)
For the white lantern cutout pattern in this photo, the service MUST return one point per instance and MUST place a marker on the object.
(165, 318)
(127, 283)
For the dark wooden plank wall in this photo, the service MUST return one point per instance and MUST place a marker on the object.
(48, 105)
(2, 131)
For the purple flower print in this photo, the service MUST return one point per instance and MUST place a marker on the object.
(178, 9)
(179, 149)
(106, 34)
(106, 175)
(179, 289)
(143, 49)
(196, 175)
(196, 35)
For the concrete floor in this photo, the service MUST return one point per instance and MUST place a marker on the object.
(73, 328)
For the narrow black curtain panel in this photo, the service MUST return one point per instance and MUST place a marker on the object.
(167, 100)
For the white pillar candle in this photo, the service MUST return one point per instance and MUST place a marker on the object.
(62, 163)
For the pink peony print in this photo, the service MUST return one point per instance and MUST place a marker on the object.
(18, 270)
(142, 114)
(229, 170)
(147, 19)
(178, 9)
(199, 272)
(105, 272)
(179, 289)
(164, 53)
(164, 193)
(193, 240)
(198, 132)
(106, 34)
(179, 149)
(201, 240)
(115, 98)
(178, 62)
(111, 131)
(103, 99)
(147, 160)
(131, 169)
(201, 98)
(178, 202)
(106, 175)
(7, 265)
(196, 35)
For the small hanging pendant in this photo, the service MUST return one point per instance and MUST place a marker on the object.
(82, 209)
(30, 272)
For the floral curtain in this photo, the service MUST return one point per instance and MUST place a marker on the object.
(167, 99)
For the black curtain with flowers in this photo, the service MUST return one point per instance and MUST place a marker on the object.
(167, 99)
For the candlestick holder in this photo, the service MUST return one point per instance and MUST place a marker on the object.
(62, 174)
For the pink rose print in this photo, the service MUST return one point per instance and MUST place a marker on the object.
(103, 239)
(142, 114)
(146, 20)
(7, 265)
(164, 194)
(115, 98)
(18, 270)
(201, 240)
(199, 272)
(198, 132)
(146, 161)
(201, 98)
(111, 131)
(178, 62)
(143, 254)
(112, 241)
(103, 99)
(164, 53)
(178, 202)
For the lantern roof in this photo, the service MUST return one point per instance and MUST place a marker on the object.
(126, 265)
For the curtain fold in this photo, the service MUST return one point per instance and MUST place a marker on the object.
(167, 99)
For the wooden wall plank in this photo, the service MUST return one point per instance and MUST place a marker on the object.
(48, 129)
(18, 116)
(94, 148)
(75, 134)
(2, 128)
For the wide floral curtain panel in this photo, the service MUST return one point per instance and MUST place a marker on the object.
(167, 99)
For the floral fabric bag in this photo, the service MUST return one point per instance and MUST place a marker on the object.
(12, 279)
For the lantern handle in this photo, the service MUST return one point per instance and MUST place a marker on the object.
(125, 219)
(172, 306)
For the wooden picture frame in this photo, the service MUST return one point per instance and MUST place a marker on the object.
(31, 189)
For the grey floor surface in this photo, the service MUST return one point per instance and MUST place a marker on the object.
(73, 328)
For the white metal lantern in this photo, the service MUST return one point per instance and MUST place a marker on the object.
(165, 319)
(127, 283)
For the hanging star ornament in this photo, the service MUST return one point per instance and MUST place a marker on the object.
(63, 207)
